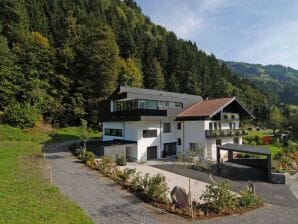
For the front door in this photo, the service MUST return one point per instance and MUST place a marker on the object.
(151, 152)
(169, 149)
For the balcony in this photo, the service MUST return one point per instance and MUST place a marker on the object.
(224, 133)
(229, 116)
(139, 112)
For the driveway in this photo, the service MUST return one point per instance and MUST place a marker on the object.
(106, 202)
(101, 198)
(278, 194)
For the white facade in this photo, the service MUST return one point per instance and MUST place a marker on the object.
(190, 132)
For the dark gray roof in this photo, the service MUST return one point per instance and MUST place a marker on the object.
(158, 93)
(245, 148)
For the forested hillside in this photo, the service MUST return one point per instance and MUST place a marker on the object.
(59, 58)
(280, 82)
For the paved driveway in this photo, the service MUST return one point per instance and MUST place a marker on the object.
(106, 202)
(197, 187)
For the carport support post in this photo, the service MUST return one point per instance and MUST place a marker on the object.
(230, 155)
(217, 158)
(269, 167)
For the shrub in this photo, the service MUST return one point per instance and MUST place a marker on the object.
(248, 199)
(89, 156)
(218, 197)
(21, 115)
(156, 188)
(121, 161)
(107, 166)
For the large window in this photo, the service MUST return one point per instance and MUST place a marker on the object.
(163, 104)
(149, 133)
(166, 127)
(113, 132)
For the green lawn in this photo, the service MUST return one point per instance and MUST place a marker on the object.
(26, 196)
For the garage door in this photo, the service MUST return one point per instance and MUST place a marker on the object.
(151, 152)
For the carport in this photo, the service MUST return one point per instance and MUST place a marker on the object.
(260, 163)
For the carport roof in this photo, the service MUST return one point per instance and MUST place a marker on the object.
(245, 148)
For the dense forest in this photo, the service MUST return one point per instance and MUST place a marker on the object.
(59, 58)
(279, 82)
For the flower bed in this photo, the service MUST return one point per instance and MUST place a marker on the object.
(218, 199)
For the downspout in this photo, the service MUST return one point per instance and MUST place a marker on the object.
(160, 141)
(183, 136)
(124, 130)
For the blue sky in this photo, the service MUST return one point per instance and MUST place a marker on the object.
(254, 31)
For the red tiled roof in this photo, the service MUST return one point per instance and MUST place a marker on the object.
(205, 108)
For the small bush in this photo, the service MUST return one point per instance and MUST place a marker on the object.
(89, 156)
(21, 115)
(121, 161)
(156, 188)
(218, 197)
(248, 199)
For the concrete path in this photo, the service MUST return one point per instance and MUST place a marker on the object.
(106, 202)
(197, 187)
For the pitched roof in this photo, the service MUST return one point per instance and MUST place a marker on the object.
(206, 108)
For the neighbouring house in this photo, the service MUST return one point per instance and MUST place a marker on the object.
(164, 123)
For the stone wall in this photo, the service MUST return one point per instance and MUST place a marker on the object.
(115, 152)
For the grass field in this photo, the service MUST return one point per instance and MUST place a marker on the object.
(26, 196)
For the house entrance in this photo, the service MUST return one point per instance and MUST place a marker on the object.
(169, 149)
(151, 152)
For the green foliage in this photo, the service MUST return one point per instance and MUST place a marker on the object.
(66, 56)
(248, 199)
(121, 161)
(278, 81)
(21, 115)
(276, 118)
(218, 197)
(156, 188)
(89, 156)
(26, 196)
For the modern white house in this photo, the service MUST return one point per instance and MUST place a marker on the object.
(161, 124)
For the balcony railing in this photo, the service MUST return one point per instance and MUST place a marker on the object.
(224, 133)
(139, 112)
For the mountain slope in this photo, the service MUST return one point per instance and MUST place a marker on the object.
(64, 56)
(278, 81)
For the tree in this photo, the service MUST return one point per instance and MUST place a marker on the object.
(275, 119)
(84, 134)
(154, 78)
(130, 73)
(8, 74)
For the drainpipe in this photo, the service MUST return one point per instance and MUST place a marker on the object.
(183, 136)
(160, 141)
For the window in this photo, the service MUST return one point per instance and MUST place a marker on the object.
(210, 126)
(179, 126)
(231, 126)
(215, 126)
(166, 127)
(149, 133)
(234, 126)
(218, 141)
(113, 132)
(179, 141)
(219, 126)
(178, 104)
(163, 104)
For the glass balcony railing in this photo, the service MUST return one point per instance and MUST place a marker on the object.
(224, 133)
(139, 112)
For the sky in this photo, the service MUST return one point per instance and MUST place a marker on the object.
(253, 31)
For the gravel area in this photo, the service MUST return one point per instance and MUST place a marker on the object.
(106, 202)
